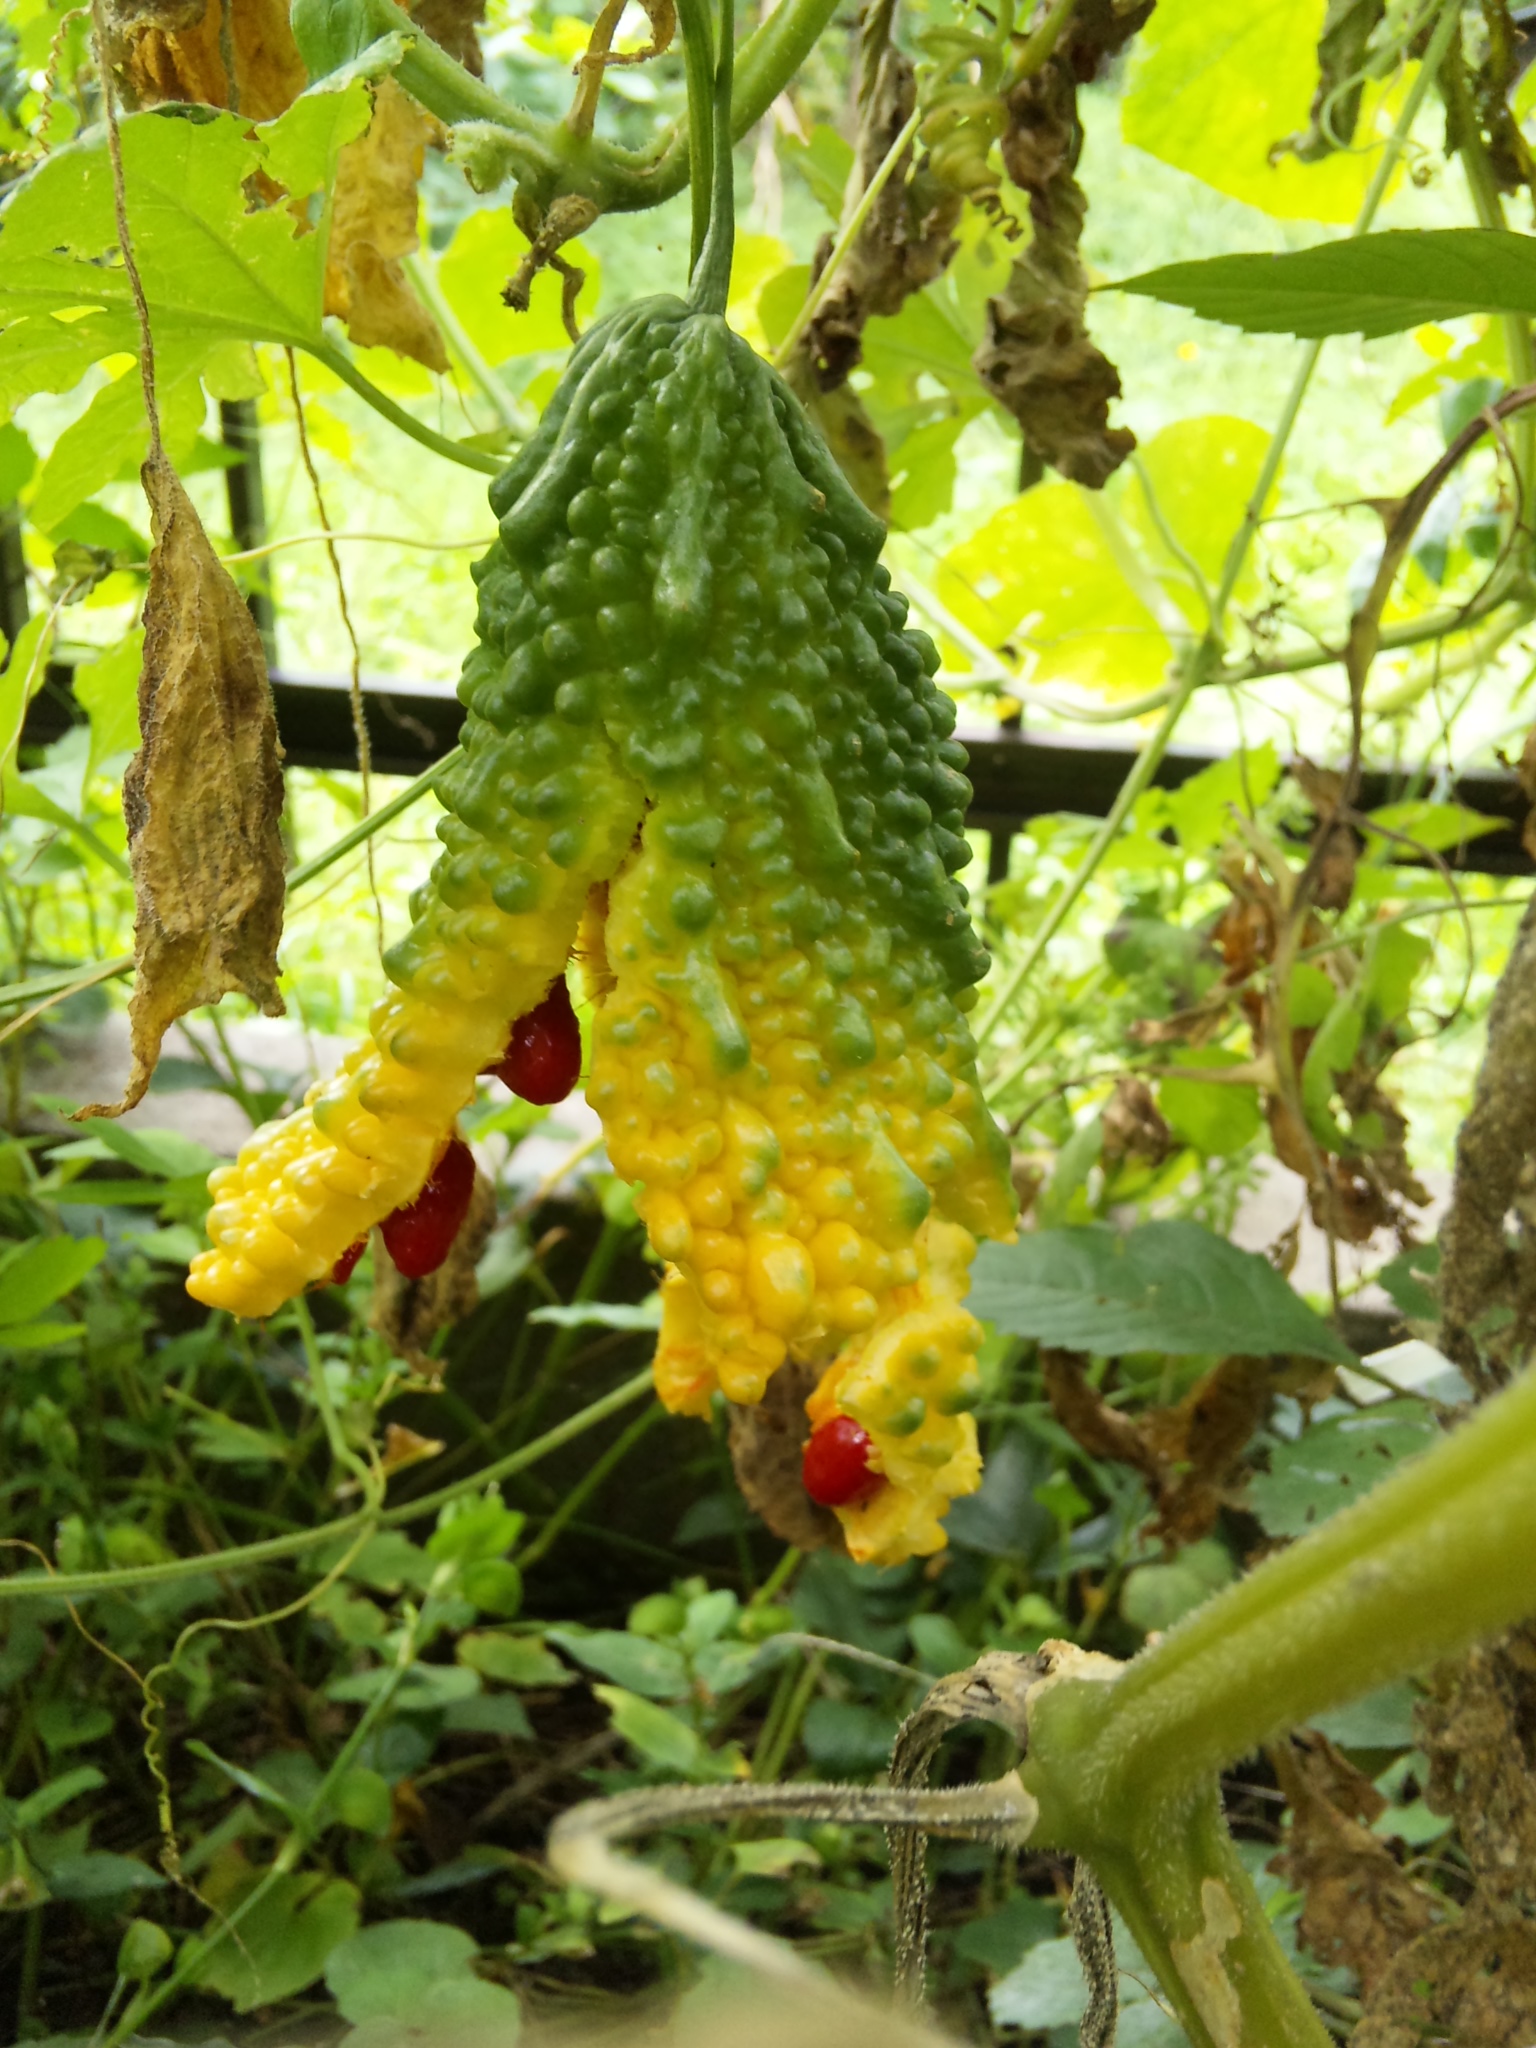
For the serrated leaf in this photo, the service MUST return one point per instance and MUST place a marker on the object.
(1168, 1286)
(211, 265)
(1372, 285)
(1335, 1462)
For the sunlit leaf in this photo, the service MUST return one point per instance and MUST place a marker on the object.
(1215, 87)
(284, 1941)
(1042, 571)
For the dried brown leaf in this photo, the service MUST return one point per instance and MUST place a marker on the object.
(1038, 361)
(1190, 1453)
(906, 241)
(1478, 1728)
(1473, 1985)
(1361, 1906)
(176, 50)
(204, 793)
(766, 1446)
(1132, 1124)
(408, 1314)
(452, 25)
(374, 223)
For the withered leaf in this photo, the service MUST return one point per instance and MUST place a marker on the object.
(408, 1314)
(906, 241)
(374, 223)
(452, 25)
(204, 793)
(1473, 1984)
(1360, 1907)
(1189, 1453)
(1038, 361)
(1478, 1728)
(766, 1446)
(176, 50)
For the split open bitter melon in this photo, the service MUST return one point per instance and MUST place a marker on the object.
(698, 732)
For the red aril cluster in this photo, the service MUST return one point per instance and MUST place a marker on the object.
(543, 1055)
(418, 1236)
(836, 1468)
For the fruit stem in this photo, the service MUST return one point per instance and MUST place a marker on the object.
(712, 276)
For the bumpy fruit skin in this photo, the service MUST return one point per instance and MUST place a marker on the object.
(693, 685)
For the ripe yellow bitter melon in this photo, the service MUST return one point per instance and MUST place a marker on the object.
(696, 719)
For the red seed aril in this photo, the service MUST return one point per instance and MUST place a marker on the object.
(341, 1272)
(836, 1468)
(543, 1055)
(419, 1235)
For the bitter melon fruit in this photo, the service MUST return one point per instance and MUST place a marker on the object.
(698, 729)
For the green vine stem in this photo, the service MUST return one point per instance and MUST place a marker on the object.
(340, 364)
(248, 1556)
(1203, 662)
(1436, 1557)
(553, 160)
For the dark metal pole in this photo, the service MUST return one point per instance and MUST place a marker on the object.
(248, 510)
(13, 573)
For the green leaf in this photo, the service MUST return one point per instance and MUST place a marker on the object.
(1201, 810)
(1155, 1596)
(1394, 960)
(499, 1713)
(659, 1736)
(70, 1724)
(211, 264)
(390, 1968)
(425, 1688)
(773, 1856)
(1334, 1462)
(636, 1662)
(1215, 87)
(46, 1801)
(113, 432)
(1044, 570)
(824, 161)
(17, 462)
(601, 1315)
(1168, 1286)
(1217, 1117)
(38, 1336)
(284, 1940)
(20, 681)
(470, 1530)
(1434, 827)
(486, 249)
(1201, 472)
(107, 689)
(96, 1875)
(362, 1801)
(33, 1276)
(163, 1155)
(511, 1660)
(1373, 285)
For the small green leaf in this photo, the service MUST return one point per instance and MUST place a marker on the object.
(385, 1969)
(774, 1856)
(657, 1735)
(144, 1951)
(285, 1939)
(1167, 1286)
(601, 1315)
(512, 1660)
(362, 1801)
(108, 690)
(1155, 1596)
(1217, 1117)
(637, 1662)
(1336, 1461)
(46, 1801)
(33, 1276)
(471, 1530)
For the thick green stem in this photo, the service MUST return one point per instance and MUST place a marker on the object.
(555, 161)
(1125, 1770)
